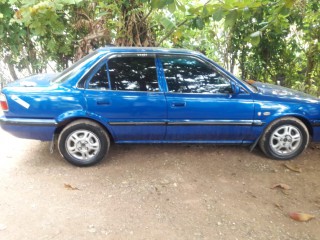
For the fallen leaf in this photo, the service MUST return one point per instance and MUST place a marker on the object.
(293, 168)
(282, 186)
(69, 187)
(301, 217)
(284, 192)
(252, 195)
(314, 147)
(278, 206)
(317, 201)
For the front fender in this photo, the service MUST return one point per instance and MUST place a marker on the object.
(269, 111)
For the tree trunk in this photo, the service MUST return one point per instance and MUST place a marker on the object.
(135, 30)
(233, 62)
(12, 71)
(311, 55)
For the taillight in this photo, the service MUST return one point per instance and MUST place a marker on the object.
(3, 102)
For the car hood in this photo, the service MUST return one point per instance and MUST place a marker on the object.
(282, 92)
(40, 80)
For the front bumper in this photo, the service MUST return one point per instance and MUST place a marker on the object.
(315, 130)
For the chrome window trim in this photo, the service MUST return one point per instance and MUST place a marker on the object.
(109, 56)
(211, 65)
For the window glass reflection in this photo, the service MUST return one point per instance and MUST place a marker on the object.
(100, 79)
(189, 75)
(133, 74)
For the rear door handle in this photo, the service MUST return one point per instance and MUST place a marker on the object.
(104, 102)
(178, 104)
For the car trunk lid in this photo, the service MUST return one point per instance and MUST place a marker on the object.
(40, 80)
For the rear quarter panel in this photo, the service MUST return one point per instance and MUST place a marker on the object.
(48, 102)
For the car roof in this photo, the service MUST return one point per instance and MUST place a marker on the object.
(147, 50)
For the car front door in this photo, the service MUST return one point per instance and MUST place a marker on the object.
(125, 93)
(200, 103)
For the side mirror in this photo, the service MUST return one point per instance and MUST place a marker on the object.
(235, 89)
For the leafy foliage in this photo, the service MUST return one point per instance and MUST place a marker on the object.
(267, 40)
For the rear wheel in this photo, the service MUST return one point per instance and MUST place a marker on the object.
(83, 143)
(284, 139)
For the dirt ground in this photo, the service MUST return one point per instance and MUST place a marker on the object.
(156, 192)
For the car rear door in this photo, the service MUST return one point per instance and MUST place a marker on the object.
(200, 105)
(125, 93)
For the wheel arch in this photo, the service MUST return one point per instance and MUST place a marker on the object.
(61, 125)
(304, 120)
(289, 152)
(301, 118)
(306, 123)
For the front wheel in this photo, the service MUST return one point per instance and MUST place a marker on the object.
(83, 143)
(284, 139)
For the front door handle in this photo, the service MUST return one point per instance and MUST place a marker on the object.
(178, 104)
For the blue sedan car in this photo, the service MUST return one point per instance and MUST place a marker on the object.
(154, 95)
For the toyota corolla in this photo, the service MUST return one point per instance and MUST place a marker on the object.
(154, 95)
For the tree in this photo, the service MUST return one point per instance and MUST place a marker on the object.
(34, 33)
(267, 40)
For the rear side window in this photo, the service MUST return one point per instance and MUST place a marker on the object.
(189, 75)
(133, 74)
(100, 79)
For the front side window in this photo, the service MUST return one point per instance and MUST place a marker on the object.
(133, 74)
(189, 75)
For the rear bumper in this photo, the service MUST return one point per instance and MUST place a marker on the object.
(27, 121)
(30, 128)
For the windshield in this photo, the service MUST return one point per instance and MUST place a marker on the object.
(251, 87)
(68, 72)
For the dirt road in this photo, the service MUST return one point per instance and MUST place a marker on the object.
(156, 192)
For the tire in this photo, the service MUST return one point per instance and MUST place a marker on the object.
(284, 139)
(83, 143)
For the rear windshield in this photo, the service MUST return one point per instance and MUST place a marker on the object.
(73, 69)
